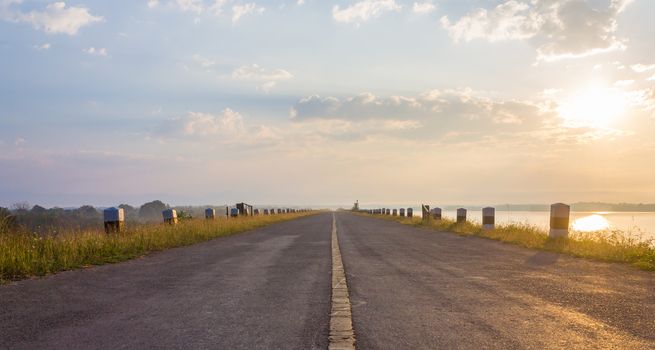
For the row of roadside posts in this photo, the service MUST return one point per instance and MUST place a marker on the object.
(559, 217)
(114, 218)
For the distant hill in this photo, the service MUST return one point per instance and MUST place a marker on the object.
(597, 206)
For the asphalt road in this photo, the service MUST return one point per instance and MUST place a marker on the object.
(413, 288)
(270, 289)
(265, 289)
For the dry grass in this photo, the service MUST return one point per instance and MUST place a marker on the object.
(23, 255)
(608, 245)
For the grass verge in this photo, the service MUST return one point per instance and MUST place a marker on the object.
(608, 245)
(23, 255)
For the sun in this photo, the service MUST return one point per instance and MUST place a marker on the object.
(595, 107)
(589, 223)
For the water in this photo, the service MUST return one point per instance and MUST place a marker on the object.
(638, 223)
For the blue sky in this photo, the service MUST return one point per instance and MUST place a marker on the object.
(300, 102)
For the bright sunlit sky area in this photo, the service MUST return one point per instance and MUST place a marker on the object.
(325, 102)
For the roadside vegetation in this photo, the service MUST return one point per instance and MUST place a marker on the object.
(607, 245)
(24, 254)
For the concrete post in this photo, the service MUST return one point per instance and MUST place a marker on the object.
(461, 215)
(436, 213)
(395, 212)
(410, 212)
(170, 216)
(265, 211)
(488, 218)
(425, 212)
(256, 211)
(559, 220)
(388, 212)
(210, 214)
(114, 220)
(402, 212)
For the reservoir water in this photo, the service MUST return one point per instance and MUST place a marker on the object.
(634, 223)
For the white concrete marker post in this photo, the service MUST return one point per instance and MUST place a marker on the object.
(395, 212)
(461, 215)
(170, 216)
(402, 212)
(488, 218)
(410, 212)
(114, 220)
(210, 214)
(436, 213)
(425, 212)
(559, 220)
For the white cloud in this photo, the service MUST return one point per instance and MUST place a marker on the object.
(198, 7)
(559, 28)
(54, 19)
(257, 72)
(101, 51)
(267, 86)
(423, 7)
(212, 7)
(641, 68)
(300, 2)
(510, 20)
(239, 11)
(216, 8)
(364, 10)
(203, 124)
(42, 47)
(204, 62)
(434, 107)
(195, 6)
(226, 126)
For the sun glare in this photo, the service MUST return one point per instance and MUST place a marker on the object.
(591, 223)
(595, 107)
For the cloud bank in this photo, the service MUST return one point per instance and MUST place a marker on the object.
(56, 18)
(559, 28)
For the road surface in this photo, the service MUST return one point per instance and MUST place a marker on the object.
(265, 289)
(270, 288)
(414, 288)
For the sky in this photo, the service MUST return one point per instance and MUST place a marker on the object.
(326, 102)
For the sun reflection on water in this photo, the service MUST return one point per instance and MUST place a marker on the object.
(589, 223)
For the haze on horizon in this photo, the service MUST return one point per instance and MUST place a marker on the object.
(307, 101)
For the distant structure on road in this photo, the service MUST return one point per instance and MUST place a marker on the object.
(356, 206)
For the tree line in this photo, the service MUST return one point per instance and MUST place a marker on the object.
(37, 219)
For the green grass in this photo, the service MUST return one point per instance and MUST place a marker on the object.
(607, 245)
(23, 255)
